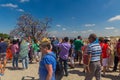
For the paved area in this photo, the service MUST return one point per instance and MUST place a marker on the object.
(32, 73)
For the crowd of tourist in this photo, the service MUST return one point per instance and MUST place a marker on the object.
(98, 55)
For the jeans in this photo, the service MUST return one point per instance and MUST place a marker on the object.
(25, 62)
(65, 67)
(15, 60)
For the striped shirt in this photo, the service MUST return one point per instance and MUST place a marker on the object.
(95, 50)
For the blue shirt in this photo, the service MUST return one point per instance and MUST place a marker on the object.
(3, 47)
(48, 59)
(95, 50)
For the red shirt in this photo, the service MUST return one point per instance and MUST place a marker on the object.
(85, 59)
(104, 47)
(85, 55)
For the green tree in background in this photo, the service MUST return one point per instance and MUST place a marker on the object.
(4, 35)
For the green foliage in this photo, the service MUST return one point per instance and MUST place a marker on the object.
(4, 35)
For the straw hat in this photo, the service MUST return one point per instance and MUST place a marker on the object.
(45, 41)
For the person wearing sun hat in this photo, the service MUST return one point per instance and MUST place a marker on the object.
(47, 65)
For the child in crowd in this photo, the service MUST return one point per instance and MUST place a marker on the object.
(85, 58)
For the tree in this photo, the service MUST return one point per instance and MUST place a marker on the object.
(4, 35)
(27, 25)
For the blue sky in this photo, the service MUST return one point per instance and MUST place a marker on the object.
(70, 17)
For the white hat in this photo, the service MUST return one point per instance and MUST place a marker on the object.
(107, 38)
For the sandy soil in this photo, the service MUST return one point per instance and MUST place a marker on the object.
(32, 73)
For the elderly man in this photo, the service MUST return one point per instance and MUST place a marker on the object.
(94, 58)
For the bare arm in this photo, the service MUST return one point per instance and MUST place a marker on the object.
(109, 50)
(101, 60)
(50, 71)
(89, 57)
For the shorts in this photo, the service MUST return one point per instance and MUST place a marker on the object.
(105, 61)
(2, 57)
(78, 54)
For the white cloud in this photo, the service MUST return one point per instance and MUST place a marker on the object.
(9, 5)
(53, 32)
(89, 25)
(89, 30)
(22, 1)
(115, 30)
(110, 28)
(20, 10)
(58, 25)
(115, 18)
(74, 32)
(83, 31)
(63, 29)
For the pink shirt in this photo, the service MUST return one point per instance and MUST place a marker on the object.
(14, 48)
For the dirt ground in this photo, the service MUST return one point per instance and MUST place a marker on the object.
(32, 73)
